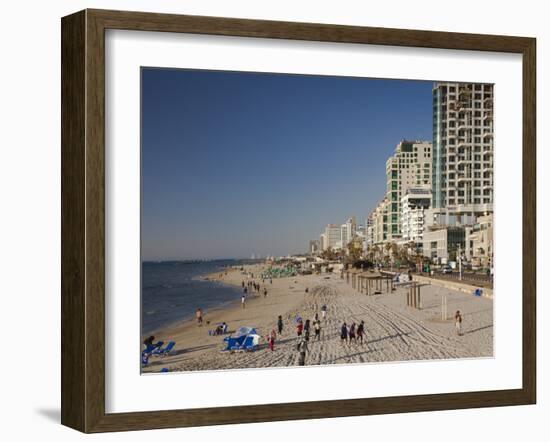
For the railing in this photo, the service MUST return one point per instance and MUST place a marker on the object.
(481, 279)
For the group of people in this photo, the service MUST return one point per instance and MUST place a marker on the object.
(221, 329)
(304, 329)
(249, 287)
(354, 333)
(303, 332)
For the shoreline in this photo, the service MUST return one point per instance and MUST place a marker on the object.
(206, 277)
(394, 332)
(216, 310)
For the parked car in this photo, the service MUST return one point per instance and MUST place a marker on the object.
(446, 269)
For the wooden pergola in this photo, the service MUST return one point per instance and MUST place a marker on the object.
(369, 283)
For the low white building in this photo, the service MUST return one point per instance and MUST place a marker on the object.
(479, 242)
(443, 244)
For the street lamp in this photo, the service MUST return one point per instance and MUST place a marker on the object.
(459, 262)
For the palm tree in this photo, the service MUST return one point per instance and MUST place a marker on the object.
(355, 249)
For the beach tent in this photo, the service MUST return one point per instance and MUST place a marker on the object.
(243, 331)
(244, 339)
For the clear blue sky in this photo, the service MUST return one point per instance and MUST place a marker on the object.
(237, 163)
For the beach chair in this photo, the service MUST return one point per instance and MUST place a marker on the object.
(166, 350)
(149, 351)
(144, 358)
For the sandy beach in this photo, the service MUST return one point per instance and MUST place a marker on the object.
(394, 332)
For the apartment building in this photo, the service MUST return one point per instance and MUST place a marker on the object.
(410, 166)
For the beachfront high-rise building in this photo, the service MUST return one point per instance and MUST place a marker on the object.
(380, 222)
(410, 166)
(314, 246)
(343, 235)
(333, 236)
(414, 204)
(348, 231)
(462, 166)
(369, 230)
(323, 241)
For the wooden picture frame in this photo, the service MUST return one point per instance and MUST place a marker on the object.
(83, 220)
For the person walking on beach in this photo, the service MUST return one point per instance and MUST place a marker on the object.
(458, 323)
(344, 333)
(280, 324)
(324, 311)
(265, 292)
(317, 328)
(361, 331)
(299, 327)
(302, 349)
(198, 315)
(352, 333)
(243, 301)
(271, 340)
(307, 329)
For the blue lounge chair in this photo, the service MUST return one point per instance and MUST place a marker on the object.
(144, 358)
(149, 351)
(166, 350)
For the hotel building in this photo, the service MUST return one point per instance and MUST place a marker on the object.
(462, 164)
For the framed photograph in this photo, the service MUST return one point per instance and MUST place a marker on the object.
(266, 221)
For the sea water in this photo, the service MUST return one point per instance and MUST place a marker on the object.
(173, 290)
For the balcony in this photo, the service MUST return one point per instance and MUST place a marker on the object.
(464, 125)
(464, 142)
(463, 160)
(463, 176)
